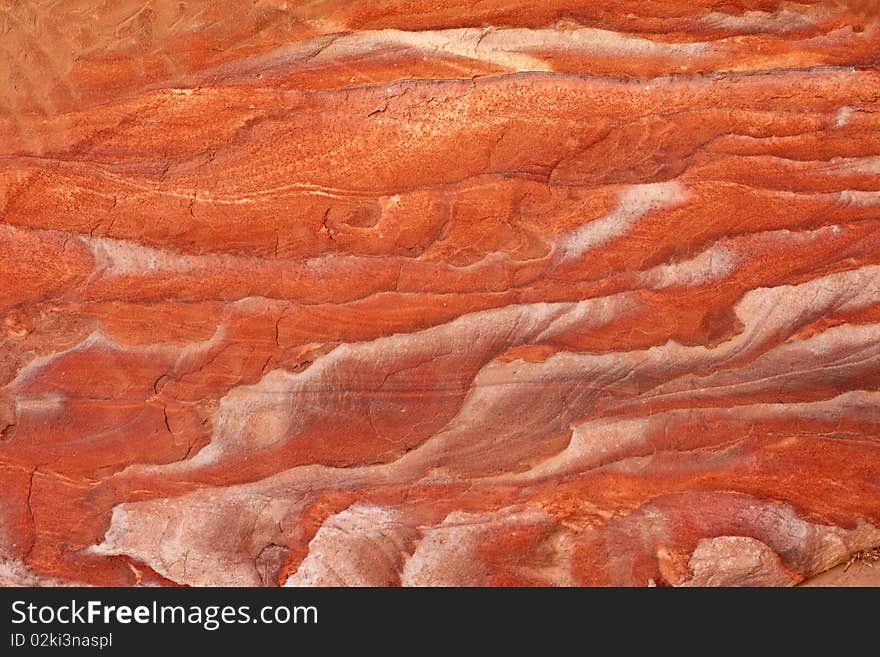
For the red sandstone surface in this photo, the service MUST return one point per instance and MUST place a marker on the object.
(407, 292)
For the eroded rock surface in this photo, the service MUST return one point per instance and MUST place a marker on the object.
(381, 293)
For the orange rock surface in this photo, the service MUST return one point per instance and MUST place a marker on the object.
(407, 292)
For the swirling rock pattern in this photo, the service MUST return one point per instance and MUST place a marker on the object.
(406, 292)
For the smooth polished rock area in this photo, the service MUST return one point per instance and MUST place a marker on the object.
(462, 293)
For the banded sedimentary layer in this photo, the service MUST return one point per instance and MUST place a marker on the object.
(497, 293)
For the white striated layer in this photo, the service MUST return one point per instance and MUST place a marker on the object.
(843, 116)
(869, 165)
(635, 202)
(123, 258)
(365, 545)
(177, 355)
(508, 48)
(711, 265)
(859, 198)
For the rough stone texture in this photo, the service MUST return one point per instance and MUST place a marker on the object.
(408, 292)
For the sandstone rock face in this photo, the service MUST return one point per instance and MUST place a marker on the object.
(383, 293)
